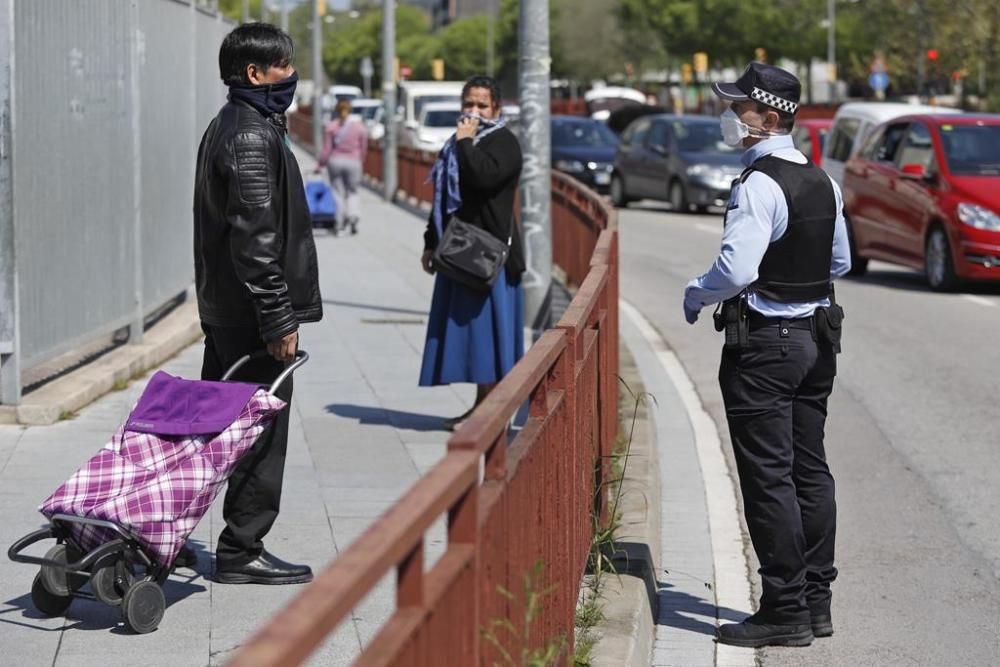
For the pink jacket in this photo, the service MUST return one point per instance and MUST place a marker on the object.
(352, 143)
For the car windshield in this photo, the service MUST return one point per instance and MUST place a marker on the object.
(420, 101)
(972, 150)
(583, 134)
(700, 138)
(442, 118)
(368, 113)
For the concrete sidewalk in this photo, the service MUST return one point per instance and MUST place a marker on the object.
(361, 433)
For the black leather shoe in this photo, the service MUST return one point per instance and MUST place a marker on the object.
(754, 633)
(822, 625)
(186, 558)
(265, 569)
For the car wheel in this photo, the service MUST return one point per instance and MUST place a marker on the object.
(859, 265)
(701, 209)
(678, 198)
(618, 197)
(937, 262)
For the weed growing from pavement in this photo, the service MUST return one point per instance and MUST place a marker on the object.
(545, 655)
(603, 547)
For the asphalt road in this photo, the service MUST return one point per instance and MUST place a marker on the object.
(913, 438)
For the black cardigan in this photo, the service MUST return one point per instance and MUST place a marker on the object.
(488, 176)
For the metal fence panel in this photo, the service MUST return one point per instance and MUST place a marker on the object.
(73, 193)
(110, 98)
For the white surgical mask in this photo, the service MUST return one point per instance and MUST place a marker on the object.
(734, 130)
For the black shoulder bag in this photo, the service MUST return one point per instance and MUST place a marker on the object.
(470, 255)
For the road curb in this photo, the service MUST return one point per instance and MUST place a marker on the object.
(66, 395)
(626, 635)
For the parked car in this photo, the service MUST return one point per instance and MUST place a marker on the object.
(680, 159)
(924, 192)
(810, 136)
(438, 121)
(585, 149)
(601, 102)
(413, 95)
(372, 113)
(851, 126)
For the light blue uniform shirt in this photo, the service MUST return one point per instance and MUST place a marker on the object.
(757, 217)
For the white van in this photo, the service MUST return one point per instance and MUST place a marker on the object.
(852, 124)
(413, 95)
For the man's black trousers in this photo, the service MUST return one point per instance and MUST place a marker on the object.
(775, 392)
(254, 494)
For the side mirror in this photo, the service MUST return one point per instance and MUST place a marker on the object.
(658, 149)
(412, 125)
(914, 172)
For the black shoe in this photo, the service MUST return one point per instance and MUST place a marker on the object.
(754, 633)
(265, 569)
(822, 625)
(185, 557)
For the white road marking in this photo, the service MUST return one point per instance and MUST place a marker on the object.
(732, 586)
(979, 300)
(714, 230)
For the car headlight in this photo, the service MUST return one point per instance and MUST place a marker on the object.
(698, 170)
(978, 217)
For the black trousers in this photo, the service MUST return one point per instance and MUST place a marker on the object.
(253, 497)
(775, 392)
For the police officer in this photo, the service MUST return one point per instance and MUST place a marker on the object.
(784, 241)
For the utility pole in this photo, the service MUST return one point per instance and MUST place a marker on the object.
(284, 15)
(246, 11)
(389, 97)
(536, 176)
(490, 38)
(317, 68)
(831, 47)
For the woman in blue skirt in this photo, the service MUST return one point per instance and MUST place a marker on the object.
(475, 336)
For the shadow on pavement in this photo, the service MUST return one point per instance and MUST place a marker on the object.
(914, 281)
(678, 610)
(368, 306)
(407, 421)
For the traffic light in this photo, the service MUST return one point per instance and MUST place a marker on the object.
(701, 62)
(686, 73)
(321, 7)
(437, 69)
(932, 54)
(760, 55)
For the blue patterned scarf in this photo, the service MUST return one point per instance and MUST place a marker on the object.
(444, 174)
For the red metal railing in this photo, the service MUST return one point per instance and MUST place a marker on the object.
(533, 505)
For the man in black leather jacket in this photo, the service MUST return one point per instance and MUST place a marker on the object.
(256, 276)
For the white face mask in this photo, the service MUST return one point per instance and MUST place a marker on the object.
(734, 130)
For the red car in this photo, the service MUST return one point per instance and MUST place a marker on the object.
(810, 135)
(924, 192)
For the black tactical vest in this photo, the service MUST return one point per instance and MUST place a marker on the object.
(796, 267)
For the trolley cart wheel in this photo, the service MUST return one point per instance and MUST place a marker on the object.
(47, 602)
(143, 606)
(110, 578)
(57, 580)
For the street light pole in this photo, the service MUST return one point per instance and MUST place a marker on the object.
(831, 47)
(317, 68)
(536, 175)
(284, 15)
(246, 11)
(490, 46)
(389, 97)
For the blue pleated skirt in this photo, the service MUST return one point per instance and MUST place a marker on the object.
(472, 336)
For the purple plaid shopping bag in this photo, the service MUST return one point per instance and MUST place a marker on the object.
(163, 468)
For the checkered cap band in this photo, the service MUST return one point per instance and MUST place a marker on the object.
(774, 101)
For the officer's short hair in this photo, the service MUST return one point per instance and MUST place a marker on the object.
(260, 44)
(786, 121)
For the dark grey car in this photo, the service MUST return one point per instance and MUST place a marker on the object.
(679, 159)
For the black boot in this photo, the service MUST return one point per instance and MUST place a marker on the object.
(822, 625)
(265, 569)
(185, 558)
(755, 632)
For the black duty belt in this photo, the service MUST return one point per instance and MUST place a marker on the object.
(758, 321)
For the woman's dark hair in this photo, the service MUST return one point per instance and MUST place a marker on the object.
(260, 44)
(483, 81)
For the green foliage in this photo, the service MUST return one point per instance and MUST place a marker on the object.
(502, 633)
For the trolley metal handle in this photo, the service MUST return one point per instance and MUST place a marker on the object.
(301, 357)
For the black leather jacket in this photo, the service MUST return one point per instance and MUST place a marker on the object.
(255, 259)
